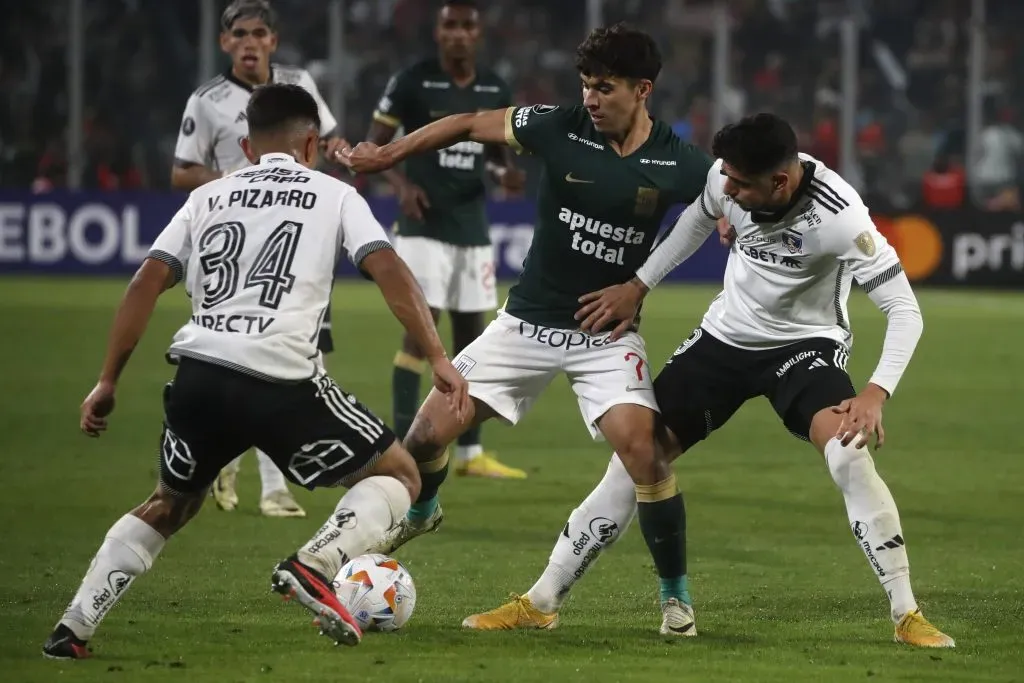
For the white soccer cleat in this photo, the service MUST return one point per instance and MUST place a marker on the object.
(281, 504)
(406, 530)
(223, 489)
(677, 619)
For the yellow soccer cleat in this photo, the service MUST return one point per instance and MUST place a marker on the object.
(914, 629)
(223, 489)
(520, 613)
(487, 465)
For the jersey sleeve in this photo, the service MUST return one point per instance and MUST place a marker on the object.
(534, 128)
(858, 244)
(173, 245)
(394, 107)
(327, 121)
(195, 137)
(361, 233)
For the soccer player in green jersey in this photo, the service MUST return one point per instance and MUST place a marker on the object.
(442, 232)
(611, 172)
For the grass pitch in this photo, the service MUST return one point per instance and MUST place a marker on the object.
(782, 592)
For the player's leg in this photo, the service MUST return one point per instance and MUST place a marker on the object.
(507, 370)
(320, 436)
(473, 294)
(431, 266)
(803, 398)
(191, 455)
(697, 392)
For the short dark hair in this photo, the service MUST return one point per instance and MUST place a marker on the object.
(756, 144)
(274, 107)
(248, 9)
(619, 50)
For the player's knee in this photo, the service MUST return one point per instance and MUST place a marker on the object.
(168, 512)
(398, 465)
(641, 457)
(848, 464)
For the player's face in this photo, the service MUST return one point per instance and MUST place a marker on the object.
(250, 42)
(754, 192)
(613, 102)
(458, 32)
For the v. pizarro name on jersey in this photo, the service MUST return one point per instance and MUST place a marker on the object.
(606, 242)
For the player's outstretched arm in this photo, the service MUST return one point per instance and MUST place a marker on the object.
(405, 299)
(486, 127)
(130, 322)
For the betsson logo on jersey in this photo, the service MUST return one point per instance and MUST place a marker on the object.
(606, 231)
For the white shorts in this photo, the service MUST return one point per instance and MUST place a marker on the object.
(452, 278)
(513, 361)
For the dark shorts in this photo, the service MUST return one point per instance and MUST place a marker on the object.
(706, 381)
(315, 433)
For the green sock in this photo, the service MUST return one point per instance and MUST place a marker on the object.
(662, 517)
(675, 588)
(405, 392)
(432, 475)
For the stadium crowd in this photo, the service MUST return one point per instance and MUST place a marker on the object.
(142, 63)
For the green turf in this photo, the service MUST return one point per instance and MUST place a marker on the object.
(782, 592)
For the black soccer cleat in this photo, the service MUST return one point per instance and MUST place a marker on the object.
(64, 644)
(292, 579)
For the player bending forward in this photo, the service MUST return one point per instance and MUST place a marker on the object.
(209, 146)
(779, 329)
(611, 173)
(258, 255)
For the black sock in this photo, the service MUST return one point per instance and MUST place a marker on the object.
(662, 518)
(432, 475)
(405, 392)
(471, 437)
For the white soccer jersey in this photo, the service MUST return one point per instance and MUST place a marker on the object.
(788, 275)
(257, 250)
(214, 123)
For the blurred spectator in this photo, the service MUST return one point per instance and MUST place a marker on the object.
(944, 185)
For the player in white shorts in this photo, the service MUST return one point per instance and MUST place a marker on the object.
(780, 329)
(443, 231)
(611, 172)
(208, 147)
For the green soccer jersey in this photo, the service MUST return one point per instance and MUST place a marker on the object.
(598, 213)
(453, 178)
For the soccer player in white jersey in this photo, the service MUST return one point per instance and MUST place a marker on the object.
(257, 250)
(779, 329)
(209, 146)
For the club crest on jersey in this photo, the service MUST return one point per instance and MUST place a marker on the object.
(795, 243)
(865, 243)
(646, 201)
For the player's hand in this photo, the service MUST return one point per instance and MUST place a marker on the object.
(726, 233)
(365, 157)
(452, 384)
(618, 302)
(511, 178)
(332, 148)
(95, 409)
(862, 417)
(412, 200)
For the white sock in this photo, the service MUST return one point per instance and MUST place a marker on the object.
(598, 522)
(874, 520)
(467, 453)
(363, 514)
(271, 477)
(128, 551)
